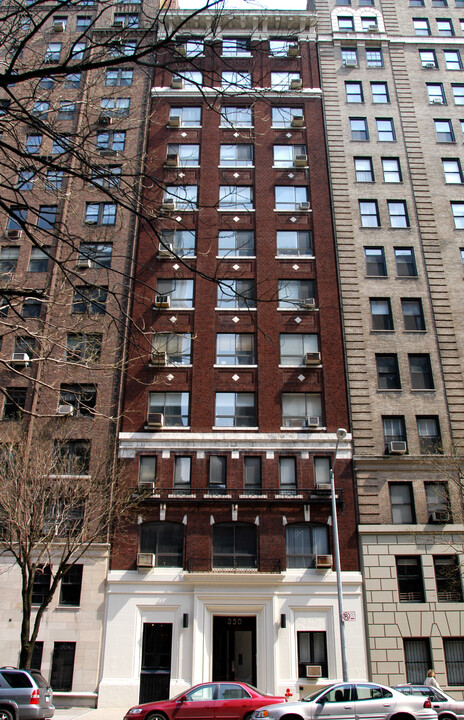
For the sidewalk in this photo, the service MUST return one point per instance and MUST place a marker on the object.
(73, 713)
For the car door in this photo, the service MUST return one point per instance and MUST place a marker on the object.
(373, 702)
(335, 704)
(198, 704)
(233, 702)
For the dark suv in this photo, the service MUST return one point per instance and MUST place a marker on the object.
(24, 695)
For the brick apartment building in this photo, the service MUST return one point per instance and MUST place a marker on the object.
(391, 74)
(237, 382)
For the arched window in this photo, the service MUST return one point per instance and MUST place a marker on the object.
(234, 546)
(165, 540)
(304, 542)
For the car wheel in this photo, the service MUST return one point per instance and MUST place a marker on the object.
(247, 716)
(154, 716)
(6, 715)
(446, 717)
(291, 717)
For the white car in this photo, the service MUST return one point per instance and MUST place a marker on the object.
(447, 707)
(352, 701)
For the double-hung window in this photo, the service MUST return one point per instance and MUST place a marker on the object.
(234, 80)
(398, 213)
(89, 300)
(178, 293)
(428, 430)
(354, 92)
(375, 262)
(369, 212)
(115, 107)
(452, 59)
(285, 117)
(236, 47)
(183, 154)
(445, 27)
(428, 59)
(381, 313)
(235, 409)
(291, 197)
(364, 169)
(359, 129)
(236, 294)
(388, 373)
(385, 129)
(374, 57)
(287, 156)
(188, 116)
(175, 347)
(380, 92)
(421, 26)
(304, 543)
(302, 410)
(413, 314)
(235, 197)
(405, 262)
(296, 294)
(174, 406)
(294, 242)
(100, 213)
(402, 503)
(95, 254)
(119, 77)
(410, 579)
(444, 131)
(296, 348)
(235, 349)
(285, 81)
(236, 117)
(391, 170)
(421, 372)
(236, 243)
(184, 197)
(453, 171)
(436, 93)
(236, 155)
(180, 242)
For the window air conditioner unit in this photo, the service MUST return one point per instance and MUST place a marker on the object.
(397, 447)
(177, 83)
(166, 251)
(372, 28)
(300, 161)
(313, 421)
(429, 65)
(440, 516)
(159, 358)
(162, 301)
(324, 562)
(174, 122)
(145, 560)
(109, 153)
(172, 160)
(104, 119)
(296, 84)
(59, 27)
(182, 50)
(65, 410)
(293, 50)
(155, 420)
(13, 234)
(312, 358)
(437, 101)
(350, 63)
(324, 486)
(308, 303)
(84, 263)
(304, 206)
(20, 358)
(90, 222)
(168, 205)
(118, 23)
(297, 121)
(313, 671)
(147, 485)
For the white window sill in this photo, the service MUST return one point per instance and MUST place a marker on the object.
(253, 309)
(236, 167)
(234, 367)
(236, 429)
(235, 257)
(295, 257)
(236, 210)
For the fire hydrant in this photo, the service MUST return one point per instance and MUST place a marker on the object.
(288, 694)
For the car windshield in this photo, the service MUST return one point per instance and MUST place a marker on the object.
(313, 695)
(40, 680)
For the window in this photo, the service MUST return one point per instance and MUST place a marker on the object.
(217, 474)
(179, 292)
(413, 316)
(100, 213)
(445, 27)
(236, 243)
(428, 58)
(454, 660)
(38, 261)
(41, 109)
(66, 110)
(438, 500)
(428, 430)
(182, 474)
(312, 650)
(236, 155)
(234, 546)
(286, 117)
(25, 180)
(25, 345)
(83, 22)
(405, 262)
(46, 218)
(113, 141)
(381, 314)
(191, 79)
(194, 47)
(53, 52)
(236, 294)
(235, 349)
(235, 410)
(436, 94)
(296, 294)
(444, 131)
(354, 92)
(280, 47)
(106, 176)
(368, 22)
(452, 59)
(421, 372)
(421, 26)
(322, 466)
(398, 213)
(291, 198)
(129, 20)
(304, 543)
(119, 77)
(457, 208)
(452, 171)
(301, 410)
(380, 92)
(54, 179)
(287, 476)
(31, 308)
(165, 540)
(235, 197)
(236, 117)
(36, 660)
(182, 242)
(147, 468)
(410, 579)
(375, 262)
(448, 578)
(71, 584)
(83, 398)
(46, 83)
(14, 403)
(286, 156)
(33, 143)
(458, 94)
(63, 666)
(364, 170)
(349, 56)
(72, 457)
(8, 261)
(236, 47)
(41, 584)
(439, 3)
(176, 347)
(89, 300)
(345, 23)
(385, 130)
(418, 659)
(252, 475)
(388, 373)
(232, 80)
(369, 211)
(78, 50)
(359, 129)
(391, 170)
(115, 107)
(61, 145)
(374, 57)
(83, 347)
(281, 81)
(402, 503)
(294, 347)
(174, 407)
(183, 155)
(188, 116)
(394, 429)
(294, 242)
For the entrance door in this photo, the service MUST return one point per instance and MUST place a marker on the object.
(234, 649)
(155, 673)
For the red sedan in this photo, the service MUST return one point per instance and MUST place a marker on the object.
(224, 700)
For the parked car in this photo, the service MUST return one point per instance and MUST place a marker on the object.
(447, 707)
(24, 695)
(352, 701)
(231, 700)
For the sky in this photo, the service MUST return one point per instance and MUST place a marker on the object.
(252, 4)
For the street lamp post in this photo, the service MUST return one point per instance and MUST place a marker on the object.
(341, 434)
